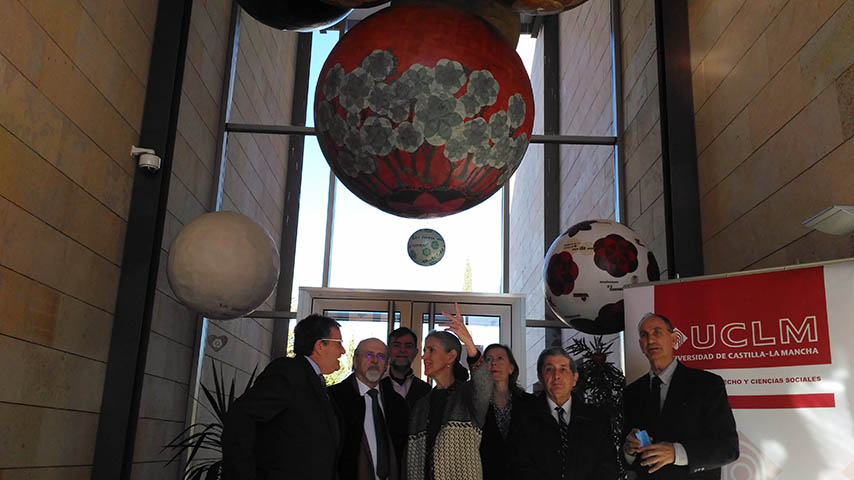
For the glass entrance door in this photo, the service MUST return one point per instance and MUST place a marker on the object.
(361, 319)
(374, 313)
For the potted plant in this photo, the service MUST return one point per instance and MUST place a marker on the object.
(206, 436)
(601, 383)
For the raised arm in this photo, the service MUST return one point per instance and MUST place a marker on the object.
(481, 381)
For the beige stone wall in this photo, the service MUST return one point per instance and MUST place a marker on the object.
(254, 186)
(72, 87)
(641, 154)
(586, 98)
(255, 178)
(526, 224)
(774, 100)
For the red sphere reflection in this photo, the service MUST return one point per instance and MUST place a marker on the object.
(423, 110)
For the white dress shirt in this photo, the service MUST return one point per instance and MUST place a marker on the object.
(370, 434)
(402, 389)
(566, 406)
(666, 376)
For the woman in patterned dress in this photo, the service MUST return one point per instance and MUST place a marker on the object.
(445, 425)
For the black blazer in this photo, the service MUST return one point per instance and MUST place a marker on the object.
(284, 426)
(351, 405)
(417, 389)
(495, 450)
(591, 454)
(697, 414)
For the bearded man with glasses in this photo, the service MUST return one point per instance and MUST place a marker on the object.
(285, 425)
(375, 418)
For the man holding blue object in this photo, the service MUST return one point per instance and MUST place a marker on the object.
(684, 412)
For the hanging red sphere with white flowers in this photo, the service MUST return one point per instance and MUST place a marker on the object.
(423, 110)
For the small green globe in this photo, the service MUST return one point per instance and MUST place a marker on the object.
(426, 247)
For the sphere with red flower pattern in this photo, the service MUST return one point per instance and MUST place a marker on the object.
(605, 256)
(615, 255)
(561, 273)
(423, 110)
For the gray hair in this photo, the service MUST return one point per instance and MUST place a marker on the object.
(649, 315)
(358, 351)
(554, 351)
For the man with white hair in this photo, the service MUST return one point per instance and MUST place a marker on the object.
(375, 419)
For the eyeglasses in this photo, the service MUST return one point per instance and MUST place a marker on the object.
(339, 340)
(379, 356)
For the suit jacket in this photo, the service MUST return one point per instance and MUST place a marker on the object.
(284, 426)
(417, 389)
(495, 450)
(590, 454)
(696, 413)
(356, 461)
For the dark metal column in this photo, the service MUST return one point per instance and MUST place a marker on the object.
(617, 92)
(678, 141)
(135, 299)
(288, 243)
(551, 151)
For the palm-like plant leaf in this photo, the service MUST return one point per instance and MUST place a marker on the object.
(200, 437)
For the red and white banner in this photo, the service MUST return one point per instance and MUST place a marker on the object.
(781, 340)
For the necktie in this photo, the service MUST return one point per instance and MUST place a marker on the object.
(322, 379)
(380, 434)
(654, 401)
(564, 439)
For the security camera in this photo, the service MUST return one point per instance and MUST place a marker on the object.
(148, 160)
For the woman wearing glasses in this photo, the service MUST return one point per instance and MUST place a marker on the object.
(445, 425)
(507, 398)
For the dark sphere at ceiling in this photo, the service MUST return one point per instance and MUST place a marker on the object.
(296, 15)
(544, 7)
(356, 3)
(423, 110)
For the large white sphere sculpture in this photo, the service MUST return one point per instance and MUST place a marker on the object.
(426, 247)
(223, 265)
(585, 270)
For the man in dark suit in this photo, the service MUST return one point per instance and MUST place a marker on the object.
(559, 437)
(285, 425)
(685, 412)
(375, 420)
(403, 347)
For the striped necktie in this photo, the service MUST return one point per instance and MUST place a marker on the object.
(564, 439)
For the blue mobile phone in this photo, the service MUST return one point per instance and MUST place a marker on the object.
(643, 437)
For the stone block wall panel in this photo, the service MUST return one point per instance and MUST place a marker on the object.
(772, 97)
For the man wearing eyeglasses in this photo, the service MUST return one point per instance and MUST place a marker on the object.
(285, 425)
(374, 418)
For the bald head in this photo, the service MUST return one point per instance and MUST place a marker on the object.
(370, 360)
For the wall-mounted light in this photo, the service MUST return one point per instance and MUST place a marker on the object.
(835, 220)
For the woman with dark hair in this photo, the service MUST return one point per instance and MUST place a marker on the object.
(445, 425)
(496, 446)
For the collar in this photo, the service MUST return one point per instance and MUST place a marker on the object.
(406, 376)
(667, 374)
(313, 365)
(552, 405)
(363, 389)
